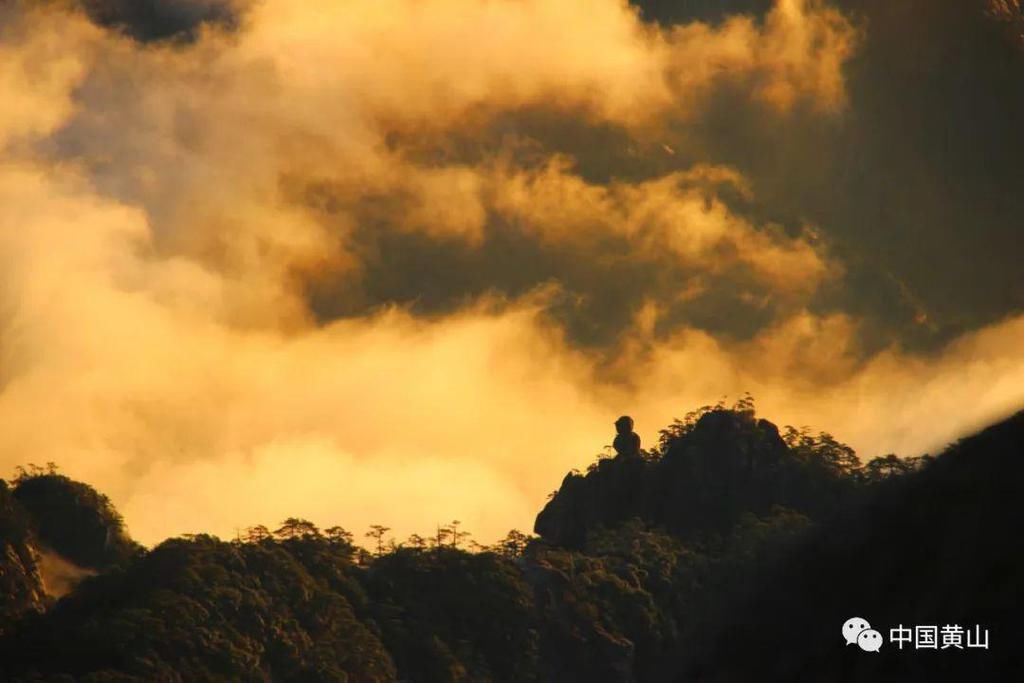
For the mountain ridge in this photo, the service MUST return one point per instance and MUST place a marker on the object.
(659, 567)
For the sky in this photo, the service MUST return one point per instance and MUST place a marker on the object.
(402, 262)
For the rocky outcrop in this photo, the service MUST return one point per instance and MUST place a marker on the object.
(707, 475)
(21, 585)
(75, 521)
(53, 533)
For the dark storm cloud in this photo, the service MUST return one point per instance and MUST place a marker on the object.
(915, 185)
(147, 20)
(678, 11)
(598, 287)
(595, 116)
(918, 183)
(928, 173)
(599, 284)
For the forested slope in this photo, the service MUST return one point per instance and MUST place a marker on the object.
(733, 551)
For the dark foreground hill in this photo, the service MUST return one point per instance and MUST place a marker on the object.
(732, 552)
(942, 547)
(53, 532)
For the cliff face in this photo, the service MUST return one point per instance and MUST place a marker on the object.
(21, 585)
(53, 533)
(75, 521)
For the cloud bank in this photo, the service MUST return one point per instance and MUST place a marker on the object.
(360, 262)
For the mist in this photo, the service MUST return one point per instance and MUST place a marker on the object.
(337, 261)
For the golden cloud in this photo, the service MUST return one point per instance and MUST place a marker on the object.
(156, 239)
(38, 68)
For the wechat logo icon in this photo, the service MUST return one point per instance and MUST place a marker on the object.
(858, 631)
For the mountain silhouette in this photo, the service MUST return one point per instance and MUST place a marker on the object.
(732, 551)
(710, 470)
